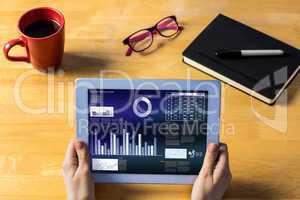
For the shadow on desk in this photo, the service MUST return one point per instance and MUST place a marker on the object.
(239, 189)
(143, 191)
(253, 190)
(158, 43)
(293, 88)
(289, 95)
(83, 63)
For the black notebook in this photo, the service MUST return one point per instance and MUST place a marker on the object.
(262, 77)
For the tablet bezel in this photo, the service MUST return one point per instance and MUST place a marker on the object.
(214, 96)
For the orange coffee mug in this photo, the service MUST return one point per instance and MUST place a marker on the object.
(42, 34)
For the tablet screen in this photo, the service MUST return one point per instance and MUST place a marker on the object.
(147, 131)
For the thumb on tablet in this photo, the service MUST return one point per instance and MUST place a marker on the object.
(210, 158)
(82, 152)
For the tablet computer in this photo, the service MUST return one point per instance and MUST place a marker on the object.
(147, 131)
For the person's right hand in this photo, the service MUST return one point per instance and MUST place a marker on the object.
(215, 175)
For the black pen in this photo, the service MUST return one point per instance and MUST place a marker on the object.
(249, 53)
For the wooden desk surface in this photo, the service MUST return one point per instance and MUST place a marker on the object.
(264, 153)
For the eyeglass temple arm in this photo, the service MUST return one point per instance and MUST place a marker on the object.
(129, 51)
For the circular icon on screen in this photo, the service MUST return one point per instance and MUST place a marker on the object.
(142, 106)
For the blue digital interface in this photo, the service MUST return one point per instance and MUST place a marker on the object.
(147, 131)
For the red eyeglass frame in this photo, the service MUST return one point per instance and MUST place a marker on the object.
(153, 30)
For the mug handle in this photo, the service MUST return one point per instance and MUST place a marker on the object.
(19, 41)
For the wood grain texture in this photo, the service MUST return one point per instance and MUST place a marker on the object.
(265, 160)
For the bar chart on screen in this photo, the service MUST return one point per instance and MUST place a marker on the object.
(124, 144)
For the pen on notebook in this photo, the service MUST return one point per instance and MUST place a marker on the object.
(249, 53)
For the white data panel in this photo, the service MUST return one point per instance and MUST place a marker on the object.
(104, 164)
(173, 153)
(101, 111)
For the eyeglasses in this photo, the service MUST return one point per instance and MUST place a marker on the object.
(143, 39)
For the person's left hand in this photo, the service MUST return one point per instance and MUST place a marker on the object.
(76, 172)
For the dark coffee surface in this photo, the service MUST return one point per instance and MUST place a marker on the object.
(41, 28)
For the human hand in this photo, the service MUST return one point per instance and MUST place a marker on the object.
(76, 172)
(215, 175)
